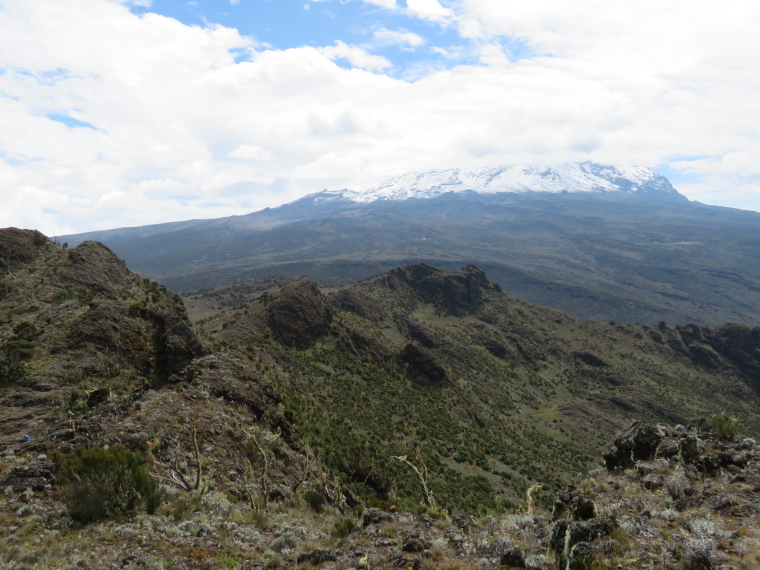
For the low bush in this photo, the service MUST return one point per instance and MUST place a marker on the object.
(344, 527)
(726, 427)
(101, 483)
(5, 289)
(11, 367)
(315, 500)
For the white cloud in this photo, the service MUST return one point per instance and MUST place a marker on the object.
(429, 10)
(234, 2)
(737, 165)
(390, 37)
(251, 152)
(183, 131)
(391, 4)
(356, 55)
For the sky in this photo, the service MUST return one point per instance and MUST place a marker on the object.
(131, 112)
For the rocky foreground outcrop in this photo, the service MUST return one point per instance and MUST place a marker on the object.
(659, 512)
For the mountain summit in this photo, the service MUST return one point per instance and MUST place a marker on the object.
(611, 243)
(560, 178)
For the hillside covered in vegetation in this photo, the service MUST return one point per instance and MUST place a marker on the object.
(359, 428)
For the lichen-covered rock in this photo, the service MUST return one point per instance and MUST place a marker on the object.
(35, 476)
(94, 266)
(461, 521)
(583, 508)
(376, 516)
(689, 448)
(419, 332)
(317, 556)
(637, 442)
(238, 381)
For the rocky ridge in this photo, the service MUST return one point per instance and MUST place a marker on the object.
(666, 510)
(498, 393)
(284, 432)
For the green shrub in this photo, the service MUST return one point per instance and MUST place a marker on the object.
(11, 367)
(344, 527)
(22, 349)
(40, 239)
(315, 500)
(20, 346)
(726, 427)
(26, 330)
(184, 507)
(62, 295)
(101, 483)
(5, 290)
(85, 296)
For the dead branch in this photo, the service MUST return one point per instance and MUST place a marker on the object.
(422, 477)
(530, 507)
(264, 471)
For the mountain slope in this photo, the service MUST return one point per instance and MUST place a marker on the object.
(498, 393)
(619, 259)
(640, 253)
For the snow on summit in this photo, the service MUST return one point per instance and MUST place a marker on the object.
(567, 177)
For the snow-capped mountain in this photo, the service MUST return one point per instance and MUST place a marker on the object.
(566, 177)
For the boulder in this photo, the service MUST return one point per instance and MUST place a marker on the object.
(317, 556)
(461, 521)
(413, 545)
(376, 516)
(583, 509)
(35, 476)
(637, 442)
(689, 447)
(18, 247)
(419, 332)
(591, 359)
(95, 397)
(94, 266)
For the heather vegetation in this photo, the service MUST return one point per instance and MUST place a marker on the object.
(421, 419)
(98, 483)
(496, 393)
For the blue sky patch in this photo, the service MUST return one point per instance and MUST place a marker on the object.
(70, 122)
(414, 46)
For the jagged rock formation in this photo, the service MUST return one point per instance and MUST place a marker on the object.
(457, 292)
(109, 358)
(299, 314)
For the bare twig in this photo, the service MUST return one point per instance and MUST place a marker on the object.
(198, 461)
(264, 472)
(422, 477)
